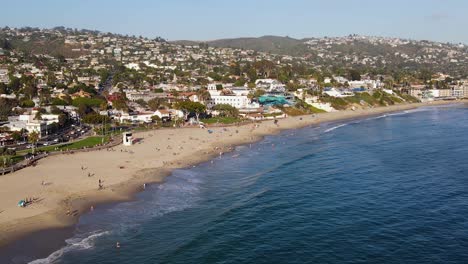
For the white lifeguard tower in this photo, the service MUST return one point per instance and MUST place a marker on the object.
(127, 138)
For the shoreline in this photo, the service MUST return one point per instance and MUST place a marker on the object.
(26, 227)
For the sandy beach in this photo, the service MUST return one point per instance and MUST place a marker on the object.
(65, 186)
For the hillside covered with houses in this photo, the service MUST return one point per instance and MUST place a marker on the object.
(53, 79)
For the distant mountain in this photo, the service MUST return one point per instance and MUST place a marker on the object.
(186, 42)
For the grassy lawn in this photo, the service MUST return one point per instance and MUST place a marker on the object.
(316, 110)
(222, 120)
(10, 160)
(87, 142)
(336, 102)
(272, 115)
(366, 97)
(293, 111)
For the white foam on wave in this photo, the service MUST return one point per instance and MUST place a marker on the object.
(390, 114)
(376, 117)
(73, 244)
(179, 192)
(334, 128)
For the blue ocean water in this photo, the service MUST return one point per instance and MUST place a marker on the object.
(387, 189)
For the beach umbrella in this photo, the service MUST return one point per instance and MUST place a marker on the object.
(21, 203)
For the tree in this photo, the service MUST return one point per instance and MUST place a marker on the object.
(5, 44)
(38, 116)
(203, 95)
(226, 110)
(154, 104)
(94, 118)
(33, 138)
(3, 88)
(240, 82)
(191, 107)
(30, 90)
(27, 103)
(156, 119)
(355, 75)
(141, 102)
(16, 136)
(256, 94)
(120, 104)
(62, 119)
(54, 110)
(14, 84)
(84, 110)
(235, 69)
(6, 106)
(91, 102)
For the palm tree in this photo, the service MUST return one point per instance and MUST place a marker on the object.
(33, 138)
(203, 95)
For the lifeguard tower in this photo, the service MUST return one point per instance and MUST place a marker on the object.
(127, 139)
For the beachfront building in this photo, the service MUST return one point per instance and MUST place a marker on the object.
(237, 101)
(15, 124)
(147, 117)
(270, 85)
(313, 101)
(333, 92)
(136, 118)
(368, 84)
(29, 122)
(235, 97)
(440, 93)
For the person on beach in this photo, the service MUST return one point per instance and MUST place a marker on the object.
(117, 245)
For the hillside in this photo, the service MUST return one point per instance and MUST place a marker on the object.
(366, 52)
(41, 44)
(271, 44)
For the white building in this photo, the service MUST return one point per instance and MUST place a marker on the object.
(232, 100)
(237, 99)
(138, 118)
(333, 92)
(369, 84)
(270, 85)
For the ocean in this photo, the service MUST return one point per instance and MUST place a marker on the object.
(385, 189)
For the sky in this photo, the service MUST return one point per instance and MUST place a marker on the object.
(437, 20)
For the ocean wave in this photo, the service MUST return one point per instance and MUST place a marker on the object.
(391, 114)
(179, 192)
(334, 128)
(73, 244)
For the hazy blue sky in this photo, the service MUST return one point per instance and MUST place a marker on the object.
(441, 20)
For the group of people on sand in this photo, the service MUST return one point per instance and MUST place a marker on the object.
(26, 202)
